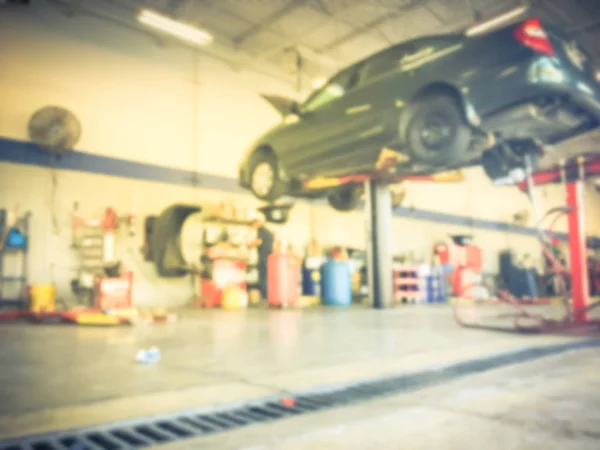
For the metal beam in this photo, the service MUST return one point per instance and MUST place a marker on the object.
(392, 14)
(257, 28)
(310, 54)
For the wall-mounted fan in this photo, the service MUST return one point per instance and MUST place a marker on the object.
(54, 128)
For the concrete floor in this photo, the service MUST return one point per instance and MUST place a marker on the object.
(550, 404)
(58, 377)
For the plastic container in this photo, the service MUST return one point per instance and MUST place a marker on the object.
(283, 275)
(337, 283)
(15, 239)
(234, 298)
(43, 297)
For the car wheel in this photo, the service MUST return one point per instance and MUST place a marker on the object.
(435, 131)
(265, 183)
(346, 198)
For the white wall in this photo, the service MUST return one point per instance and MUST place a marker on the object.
(166, 106)
(135, 99)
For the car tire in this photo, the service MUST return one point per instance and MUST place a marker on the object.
(345, 198)
(265, 182)
(435, 131)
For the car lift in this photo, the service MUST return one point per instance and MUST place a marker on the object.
(576, 301)
(378, 214)
(577, 307)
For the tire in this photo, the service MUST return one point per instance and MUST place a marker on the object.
(435, 131)
(346, 198)
(264, 179)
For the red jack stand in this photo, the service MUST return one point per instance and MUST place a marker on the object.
(578, 252)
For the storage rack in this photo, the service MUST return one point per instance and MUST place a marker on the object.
(213, 227)
(21, 252)
(419, 283)
(408, 283)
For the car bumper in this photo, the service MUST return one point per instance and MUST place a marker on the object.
(544, 78)
(551, 76)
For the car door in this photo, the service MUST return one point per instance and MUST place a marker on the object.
(396, 76)
(375, 98)
(351, 128)
(320, 129)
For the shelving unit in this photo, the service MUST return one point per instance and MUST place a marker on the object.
(226, 260)
(408, 283)
(419, 283)
(17, 281)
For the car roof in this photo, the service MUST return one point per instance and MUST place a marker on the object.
(454, 37)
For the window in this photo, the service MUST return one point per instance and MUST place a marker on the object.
(383, 63)
(335, 88)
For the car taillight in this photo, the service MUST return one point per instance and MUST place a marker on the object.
(532, 34)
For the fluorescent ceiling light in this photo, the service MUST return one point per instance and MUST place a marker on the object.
(498, 20)
(174, 27)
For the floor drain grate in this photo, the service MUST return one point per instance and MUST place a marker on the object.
(158, 430)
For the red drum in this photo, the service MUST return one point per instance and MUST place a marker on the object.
(283, 278)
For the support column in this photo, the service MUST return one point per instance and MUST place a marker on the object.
(577, 249)
(378, 211)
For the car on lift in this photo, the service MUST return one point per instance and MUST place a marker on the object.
(435, 103)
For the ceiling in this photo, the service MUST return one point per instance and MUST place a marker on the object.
(330, 34)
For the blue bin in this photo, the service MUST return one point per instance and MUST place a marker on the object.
(336, 279)
(435, 289)
(15, 239)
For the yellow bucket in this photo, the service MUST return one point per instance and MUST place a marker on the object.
(234, 298)
(43, 297)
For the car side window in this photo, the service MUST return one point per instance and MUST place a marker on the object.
(383, 63)
(335, 88)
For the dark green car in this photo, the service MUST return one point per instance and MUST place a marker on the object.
(434, 103)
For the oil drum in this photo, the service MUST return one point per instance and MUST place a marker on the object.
(337, 283)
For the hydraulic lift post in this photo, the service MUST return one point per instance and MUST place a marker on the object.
(378, 212)
(578, 250)
(573, 175)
